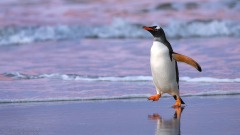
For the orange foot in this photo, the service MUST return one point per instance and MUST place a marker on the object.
(155, 97)
(178, 103)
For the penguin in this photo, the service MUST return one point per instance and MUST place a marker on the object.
(164, 68)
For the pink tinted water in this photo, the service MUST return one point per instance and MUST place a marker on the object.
(219, 57)
(112, 58)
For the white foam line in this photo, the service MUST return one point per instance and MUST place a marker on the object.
(18, 75)
(209, 79)
(212, 93)
(116, 79)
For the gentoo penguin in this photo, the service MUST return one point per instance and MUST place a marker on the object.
(164, 66)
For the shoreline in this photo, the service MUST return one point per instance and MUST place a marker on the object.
(99, 99)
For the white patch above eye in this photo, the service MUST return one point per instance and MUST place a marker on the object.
(158, 27)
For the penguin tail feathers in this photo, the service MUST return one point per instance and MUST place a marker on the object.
(175, 97)
(187, 60)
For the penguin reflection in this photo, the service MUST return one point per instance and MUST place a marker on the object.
(169, 126)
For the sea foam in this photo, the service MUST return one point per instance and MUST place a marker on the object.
(18, 75)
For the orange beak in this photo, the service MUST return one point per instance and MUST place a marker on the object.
(147, 28)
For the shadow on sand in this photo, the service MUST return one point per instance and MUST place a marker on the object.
(167, 126)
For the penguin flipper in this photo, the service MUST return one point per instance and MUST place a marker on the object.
(187, 60)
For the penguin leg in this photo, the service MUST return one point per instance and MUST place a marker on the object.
(175, 97)
(178, 103)
(155, 97)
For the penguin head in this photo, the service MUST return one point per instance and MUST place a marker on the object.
(156, 31)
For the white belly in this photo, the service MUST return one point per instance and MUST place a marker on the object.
(163, 69)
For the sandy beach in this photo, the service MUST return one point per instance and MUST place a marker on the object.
(213, 115)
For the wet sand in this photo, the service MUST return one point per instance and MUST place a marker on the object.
(215, 115)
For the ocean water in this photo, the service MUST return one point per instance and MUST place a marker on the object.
(63, 50)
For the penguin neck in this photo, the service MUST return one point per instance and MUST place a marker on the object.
(160, 39)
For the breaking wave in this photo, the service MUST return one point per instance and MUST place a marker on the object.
(118, 29)
(17, 75)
